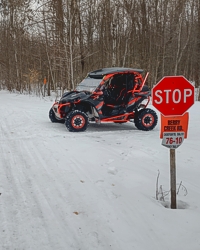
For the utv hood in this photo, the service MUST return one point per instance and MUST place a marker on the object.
(73, 97)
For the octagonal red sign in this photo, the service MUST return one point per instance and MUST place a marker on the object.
(173, 95)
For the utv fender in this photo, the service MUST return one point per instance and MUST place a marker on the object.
(53, 117)
(83, 106)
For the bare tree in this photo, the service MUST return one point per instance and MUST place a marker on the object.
(63, 40)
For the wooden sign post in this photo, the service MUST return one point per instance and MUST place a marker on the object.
(173, 177)
(173, 131)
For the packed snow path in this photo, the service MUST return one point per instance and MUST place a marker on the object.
(92, 190)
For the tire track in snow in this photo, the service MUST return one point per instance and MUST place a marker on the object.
(83, 197)
(50, 186)
(31, 193)
(75, 200)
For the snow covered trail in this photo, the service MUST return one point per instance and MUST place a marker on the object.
(91, 190)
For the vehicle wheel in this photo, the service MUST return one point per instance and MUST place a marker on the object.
(77, 121)
(146, 119)
(53, 118)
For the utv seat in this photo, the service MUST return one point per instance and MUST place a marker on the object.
(117, 99)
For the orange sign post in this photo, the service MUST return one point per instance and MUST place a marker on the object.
(45, 80)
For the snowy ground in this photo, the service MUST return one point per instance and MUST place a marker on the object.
(92, 190)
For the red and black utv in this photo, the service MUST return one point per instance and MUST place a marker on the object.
(116, 95)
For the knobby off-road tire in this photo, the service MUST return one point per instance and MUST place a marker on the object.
(77, 121)
(146, 119)
(53, 118)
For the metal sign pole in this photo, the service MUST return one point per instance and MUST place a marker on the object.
(173, 178)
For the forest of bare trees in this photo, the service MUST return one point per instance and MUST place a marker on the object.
(62, 40)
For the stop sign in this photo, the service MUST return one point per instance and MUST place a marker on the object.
(173, 95)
